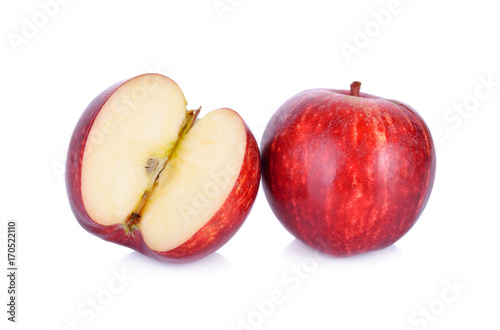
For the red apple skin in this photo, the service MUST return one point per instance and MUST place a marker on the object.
(215, 233)
(347, 174)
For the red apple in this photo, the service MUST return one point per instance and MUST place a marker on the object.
(347, 172)
(144, 172)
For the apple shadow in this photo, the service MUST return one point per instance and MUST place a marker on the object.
(214, 262)
(297, 250)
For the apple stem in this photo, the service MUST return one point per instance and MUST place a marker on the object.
(355, 87)
(158, 165)
(190, 118)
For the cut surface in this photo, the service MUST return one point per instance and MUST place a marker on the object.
(139, 122)
(142, 155)
(196, 181)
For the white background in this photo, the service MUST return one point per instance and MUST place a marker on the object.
(434, 56)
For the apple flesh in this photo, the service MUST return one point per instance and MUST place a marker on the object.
(144, 172)
(347, 172)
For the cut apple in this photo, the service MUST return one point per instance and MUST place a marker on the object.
(144, 172)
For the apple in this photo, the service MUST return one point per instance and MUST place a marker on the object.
(144, 172)
(347, 172)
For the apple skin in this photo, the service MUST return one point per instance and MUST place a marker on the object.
(347, 174)
(215, 233)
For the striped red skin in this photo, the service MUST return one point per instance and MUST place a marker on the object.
(214, 234)
(347, 174)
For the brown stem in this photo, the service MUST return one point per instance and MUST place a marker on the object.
(355, 87)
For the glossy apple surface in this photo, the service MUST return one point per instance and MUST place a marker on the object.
(347, 172)
(144, 172)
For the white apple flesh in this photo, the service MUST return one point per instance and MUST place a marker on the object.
(149, 168)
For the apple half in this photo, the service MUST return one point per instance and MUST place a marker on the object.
(144, 172)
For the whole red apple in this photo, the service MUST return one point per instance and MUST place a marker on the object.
(347, 172)
(144, 172)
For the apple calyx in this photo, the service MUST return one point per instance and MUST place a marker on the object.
(355, 87)
(155, 167)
